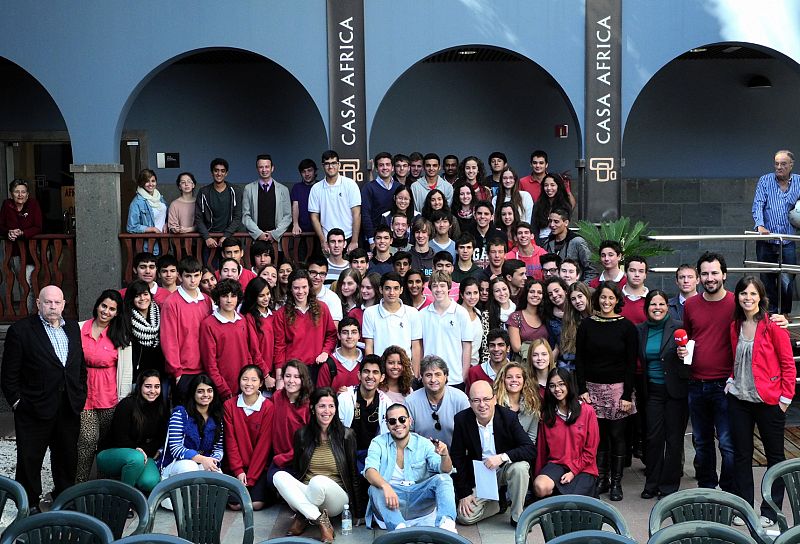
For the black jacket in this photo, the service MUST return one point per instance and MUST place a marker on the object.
(203, 218)
(509, 438)
(33, 374)
(345, 455)
(676, 374)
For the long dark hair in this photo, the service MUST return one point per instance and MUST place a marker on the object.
(550, 404)
(427, 209)
(290, 307)
(544, 205)
(493, 307)
(741, 285)
(312, 432)
(144, 410)
(409, 213)
(214, 409)
(118, 331)
(136, 288)
(306, 386)
(406, 295)
(250, 300)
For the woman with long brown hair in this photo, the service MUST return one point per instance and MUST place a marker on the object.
(397, 384)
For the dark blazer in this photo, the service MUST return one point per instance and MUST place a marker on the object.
(676, 374)
(33, 374)
(509, 438)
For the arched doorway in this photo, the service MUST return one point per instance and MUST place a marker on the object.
(225, 103)
(472, 100)
(35, 144)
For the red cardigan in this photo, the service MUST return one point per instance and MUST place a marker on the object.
(287, 418)
(303, 339)
(248, 439)
(773, 363)
(180, 333)
(29, 220)
(573, 446)
(343, 378)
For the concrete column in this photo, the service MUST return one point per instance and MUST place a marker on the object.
(97, 226)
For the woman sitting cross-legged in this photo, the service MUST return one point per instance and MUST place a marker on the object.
(136, 435)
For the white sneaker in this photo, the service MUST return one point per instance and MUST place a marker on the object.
(167, 503)
(766, 522)
(448, 524)
(739, 522)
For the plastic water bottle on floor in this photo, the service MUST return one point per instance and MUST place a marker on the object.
(347, 521)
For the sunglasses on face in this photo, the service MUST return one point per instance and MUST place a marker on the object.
(395, 420)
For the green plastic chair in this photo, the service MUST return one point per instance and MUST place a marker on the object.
(153, 538)
(592, 537)
(58, 528)
(420, 535)
(700, 532)
(564, 514)
(11, 489)
(107, 500)
(199, 499)
(790, 536)
(702, 504)
(789, 471)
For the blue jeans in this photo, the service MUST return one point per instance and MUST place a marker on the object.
(770, 253)
(708, 409)
(416, 501)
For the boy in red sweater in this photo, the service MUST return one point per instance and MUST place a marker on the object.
(634, 289)
(181, 315)
(224, 340)
(346, 357)
(232, 249)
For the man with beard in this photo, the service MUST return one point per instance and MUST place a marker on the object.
(409, 476)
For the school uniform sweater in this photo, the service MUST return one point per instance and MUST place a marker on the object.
(248, 439)
(573, 446)
(180, 333)
(287, 418)
(265, 340)
(303, 339)
(224, 351)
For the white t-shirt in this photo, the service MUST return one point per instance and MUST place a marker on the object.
(442, 335)
(334, 203)
(332, 301)
(391, 329)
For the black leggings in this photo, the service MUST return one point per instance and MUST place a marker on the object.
(612, 436)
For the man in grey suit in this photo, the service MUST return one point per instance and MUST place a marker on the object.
(266, 206)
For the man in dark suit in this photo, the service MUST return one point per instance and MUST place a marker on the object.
(492, 434)
(44, 381)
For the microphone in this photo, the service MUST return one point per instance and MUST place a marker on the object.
(681, 337)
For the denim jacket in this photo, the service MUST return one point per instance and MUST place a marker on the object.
(140, 216)
(420, 461)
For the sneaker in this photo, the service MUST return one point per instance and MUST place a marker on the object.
(448, 524)
(739, 522)
(766, 522)
(167, 504)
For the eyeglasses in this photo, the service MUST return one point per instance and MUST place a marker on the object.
(437, 425)
(395, 420)
(486, 400)
(317, 273)
(332, 163)
(560, 385)
(550, 270)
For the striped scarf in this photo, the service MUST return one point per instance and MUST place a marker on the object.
(146, 330)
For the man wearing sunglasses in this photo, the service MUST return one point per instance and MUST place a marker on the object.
(435, 405)
(408, 476)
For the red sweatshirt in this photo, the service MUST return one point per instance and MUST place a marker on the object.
(476, 373)
(224, 351)
(708, 324)
(286, 418)
(344, 377)
(248, 439)
(265, 340)
(303, 339)
(573, 446)
(180, 333)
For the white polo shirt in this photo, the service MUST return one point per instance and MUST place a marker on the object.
(391, 329)
(332, 301)
(442, 335)
(334, 203)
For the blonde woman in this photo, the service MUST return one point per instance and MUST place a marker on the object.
(516, 391)
(541, 360)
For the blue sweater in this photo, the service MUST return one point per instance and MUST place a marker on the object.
(375, 201)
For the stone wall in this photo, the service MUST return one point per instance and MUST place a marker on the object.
(692, 206)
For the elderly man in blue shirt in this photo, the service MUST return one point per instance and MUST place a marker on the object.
(776, 194)
(409, 476)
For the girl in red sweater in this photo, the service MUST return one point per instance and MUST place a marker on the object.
(304, 328)
(567, 441)
(248, 435)
(257, 311)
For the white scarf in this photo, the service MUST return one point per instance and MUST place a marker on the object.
(153, 200)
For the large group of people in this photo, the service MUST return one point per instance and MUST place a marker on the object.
(440, 321)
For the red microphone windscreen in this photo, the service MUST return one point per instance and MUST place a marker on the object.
(681, 338)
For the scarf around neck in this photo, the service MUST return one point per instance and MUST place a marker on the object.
(154, 200)
(146, 330)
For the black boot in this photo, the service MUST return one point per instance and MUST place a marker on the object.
(617, 464)
(602, 470)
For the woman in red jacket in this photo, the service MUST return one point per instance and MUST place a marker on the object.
(760, 388)
(304, 328)
(248, 435)
(20, 220)
(256, 309)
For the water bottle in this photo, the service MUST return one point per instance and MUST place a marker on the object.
(347, 521)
